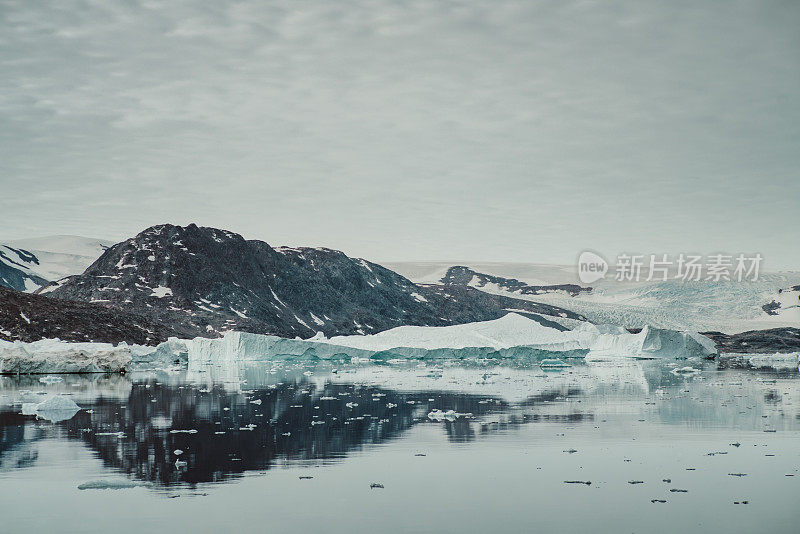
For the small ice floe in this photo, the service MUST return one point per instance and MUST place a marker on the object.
(54, 409)
(257, 402)
(109, 484)
(553, 363)
(180, 464)
(571, 451)
(50, 379)
(187, 431)
(685, 371)
(58, 402)
(177, 452)
(305, 477)
(376, 485)
(119, 435)
(449, 415)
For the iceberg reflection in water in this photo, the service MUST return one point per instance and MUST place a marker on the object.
(193, 432)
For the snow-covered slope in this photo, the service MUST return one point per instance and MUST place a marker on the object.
(26, 264)
(16, 271)
(723, 306)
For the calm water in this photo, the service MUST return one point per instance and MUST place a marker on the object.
(296, 446)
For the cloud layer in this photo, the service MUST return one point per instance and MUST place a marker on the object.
(503, 130)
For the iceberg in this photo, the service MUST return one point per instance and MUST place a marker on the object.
(512, 337)
(511, 330)
(652, 343)
(53, 356)
(238, 346)
(55, 408)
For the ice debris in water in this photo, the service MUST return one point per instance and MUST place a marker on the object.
(58, 403)
(49, 379)
(449, 415)
(112, 484)
(553, 363)
(55, 408)
(686, 371)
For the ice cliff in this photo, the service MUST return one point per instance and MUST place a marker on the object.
(512, 336)
(481, 339)
(55, 356)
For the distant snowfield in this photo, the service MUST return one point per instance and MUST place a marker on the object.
(729, 307)
(59, 255)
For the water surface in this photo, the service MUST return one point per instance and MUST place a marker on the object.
(407, 447)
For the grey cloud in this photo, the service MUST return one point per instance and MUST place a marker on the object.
(517, 131)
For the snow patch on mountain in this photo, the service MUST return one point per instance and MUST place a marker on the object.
(45, 259)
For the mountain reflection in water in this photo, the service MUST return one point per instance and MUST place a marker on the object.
(168, 430)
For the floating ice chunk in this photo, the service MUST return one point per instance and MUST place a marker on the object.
(553, 363)
(685, 371)
(58, 402)
(106, 484)
(449, 415)
(57, 408)
(49, 379)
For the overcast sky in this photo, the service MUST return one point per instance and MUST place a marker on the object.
(408, 130)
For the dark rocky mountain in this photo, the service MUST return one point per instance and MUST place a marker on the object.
(461, 276)
(27, 317)
(203, 281)
(785, 339)
(15, 271)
